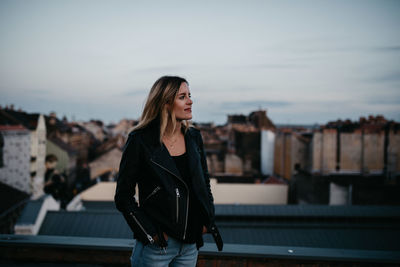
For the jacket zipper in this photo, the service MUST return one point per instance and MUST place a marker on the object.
(177, 203)
(152, 193)
(141, 227)
(187, 190)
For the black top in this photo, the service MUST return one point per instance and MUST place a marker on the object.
(194, 226)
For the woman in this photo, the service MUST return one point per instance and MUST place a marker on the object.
(165, 157)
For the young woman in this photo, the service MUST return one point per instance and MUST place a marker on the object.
(165, 157)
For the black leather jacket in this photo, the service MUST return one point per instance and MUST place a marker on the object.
(163, 194)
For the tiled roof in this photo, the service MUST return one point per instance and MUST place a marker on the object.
(31, 211)
(85, 224)
(317, 235)
(99, 205)
(321, 211)
(345, 227)
(12, 128)
(28, 120)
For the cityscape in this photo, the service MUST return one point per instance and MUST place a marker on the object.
(252, 162)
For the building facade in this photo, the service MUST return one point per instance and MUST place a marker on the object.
(16, 167)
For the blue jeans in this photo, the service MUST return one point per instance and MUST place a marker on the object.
(176, 254)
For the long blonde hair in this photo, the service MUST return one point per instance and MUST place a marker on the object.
(163, 92)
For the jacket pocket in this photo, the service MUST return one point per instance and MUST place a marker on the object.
(178, 196)
(152, 194)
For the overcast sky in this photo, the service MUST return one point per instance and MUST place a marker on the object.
(304, 62)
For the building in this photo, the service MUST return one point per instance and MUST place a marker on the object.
(292, 152)
(107, 161)
(67, 158)
(96, 127)
(267, 152)
(73, 134)
(35, 123)
(369, 147)
(215, 143)
(122, 128)
(243, 147)
(353, 158)
(16, 156)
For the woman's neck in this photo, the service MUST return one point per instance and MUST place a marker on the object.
(170, 132)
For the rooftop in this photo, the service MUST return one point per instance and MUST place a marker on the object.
(352, 227)
(261, 235)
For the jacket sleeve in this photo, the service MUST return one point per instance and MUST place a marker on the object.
(203, 160)
(213, 228)
(129, 173)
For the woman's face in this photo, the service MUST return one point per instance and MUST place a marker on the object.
(183, 104)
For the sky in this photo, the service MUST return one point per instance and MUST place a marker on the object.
(305, 62)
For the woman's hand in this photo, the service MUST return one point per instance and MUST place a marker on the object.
(156, 239)
(204, 230)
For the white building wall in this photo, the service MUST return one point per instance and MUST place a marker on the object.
(16, 155)
(257, 194)
(38, 151)
(267, 152)
(254, 194)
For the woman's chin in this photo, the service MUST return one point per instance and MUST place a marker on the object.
(186, 118)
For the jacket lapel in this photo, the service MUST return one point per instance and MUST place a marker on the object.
(159, 153)
(162, 158)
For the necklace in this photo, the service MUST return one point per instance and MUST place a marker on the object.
(170, 141)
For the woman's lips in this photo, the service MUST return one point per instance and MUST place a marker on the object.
(188, 109)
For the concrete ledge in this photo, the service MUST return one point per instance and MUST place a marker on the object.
(303, 253)
(18, 248)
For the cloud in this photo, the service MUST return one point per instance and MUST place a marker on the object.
(252, 105)
(392, 48)
(327, 46)
(387, 77)
(384, 101)
(25, 91)
(219, 67)
(276, 66)
(132, 92)
(165, 69)
(369, 49)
